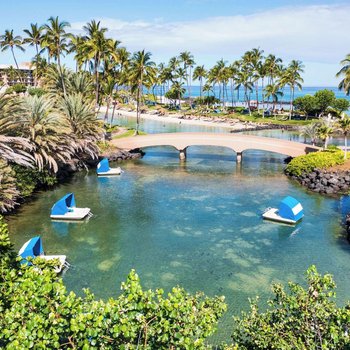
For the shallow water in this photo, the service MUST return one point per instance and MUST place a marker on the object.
(197, 224)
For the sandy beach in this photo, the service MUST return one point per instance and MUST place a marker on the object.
(233, 124)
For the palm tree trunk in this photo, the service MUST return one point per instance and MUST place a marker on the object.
(18, 71)
(200, 87)
(107, 110)
(346, 145)
(257, 96)
(96, 77)
(60, 71)
(112, 117)
(291, 102)
(189, 88)
(138, 110)
(36, 68)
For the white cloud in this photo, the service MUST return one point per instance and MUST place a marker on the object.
(310, 33)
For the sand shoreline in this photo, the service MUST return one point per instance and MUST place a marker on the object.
(233, 124)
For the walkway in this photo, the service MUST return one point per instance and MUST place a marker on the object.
(236, 142)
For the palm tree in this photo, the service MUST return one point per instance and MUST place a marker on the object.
(8, 191)
(244, 79)
(34, 38)
(323, 132)
(46, 132)
(272, 63)
(345, 71)
(207, 88)
(81, 118)
(178, 90)
(274, 92)
(141, 70)
(55, 81)
(81, 83)
(200, 73)
(253, 59)
(96, 47)
(12, 148)
(188, 61)
(310, 131)
(291, 76)
(56, 37)
(9, 41)
(344, 126)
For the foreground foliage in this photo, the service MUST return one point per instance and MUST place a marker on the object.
(37, 311)
(316, 160)
(303, 318)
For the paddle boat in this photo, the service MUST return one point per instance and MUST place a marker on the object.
(65, 209)
(103, 169)
(289, 211)
(34, 248)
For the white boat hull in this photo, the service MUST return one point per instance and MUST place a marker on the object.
(271, 214)
(111, 172)
(61, 258)
(74, 214)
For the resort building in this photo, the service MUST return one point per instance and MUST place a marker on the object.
(10, 75)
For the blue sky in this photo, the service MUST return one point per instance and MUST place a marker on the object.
(315, 32)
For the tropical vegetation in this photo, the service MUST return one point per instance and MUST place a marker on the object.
(316, 160)
(37, 311)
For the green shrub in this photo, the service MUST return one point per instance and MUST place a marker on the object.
(28, 179)
(38, 312)
(36, 91)
(316, 160)
(298, 318)
(17, 88)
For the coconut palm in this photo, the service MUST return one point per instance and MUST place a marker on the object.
(46, 132)
(274, 92)
(34, 38)
(200, 73)
(253, 59)
(57, 39)
(344, 126)
(10, 41)
(272, 64)
(141, 71)
(96, 46)
(244, 79)
(291, 77)
(188, 60)
(345, 73)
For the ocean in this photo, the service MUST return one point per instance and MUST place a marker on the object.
(239, 96)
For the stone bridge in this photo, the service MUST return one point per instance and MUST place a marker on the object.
(236, 142)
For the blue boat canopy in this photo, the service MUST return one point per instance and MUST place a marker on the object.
(290, 208)
(103, 166)
(32, 248)
(62, 206)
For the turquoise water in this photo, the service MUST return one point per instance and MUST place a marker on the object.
(196, 224)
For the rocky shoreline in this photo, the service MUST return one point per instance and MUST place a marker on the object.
(325, 182)
(75, 165)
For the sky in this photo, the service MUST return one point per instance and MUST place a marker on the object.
(313, 31)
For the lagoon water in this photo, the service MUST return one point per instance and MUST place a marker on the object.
(196, 224)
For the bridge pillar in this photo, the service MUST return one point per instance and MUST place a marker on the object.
(239, 158)
(182, 154)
